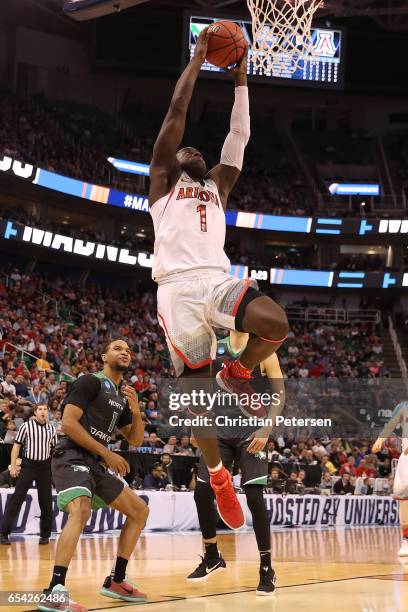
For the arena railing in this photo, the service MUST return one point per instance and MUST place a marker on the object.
(398, 352)
(332, 315)
(24, 352)
(386, 203)
(45, 296)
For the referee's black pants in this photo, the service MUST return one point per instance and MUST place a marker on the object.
(40, 471)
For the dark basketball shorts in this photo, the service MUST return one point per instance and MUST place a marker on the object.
(76, 473)
(254, 468)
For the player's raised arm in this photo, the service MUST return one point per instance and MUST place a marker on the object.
(226, 173)
(164, 168)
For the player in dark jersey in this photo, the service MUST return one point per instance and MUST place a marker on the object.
(93, 408)
(245, 450)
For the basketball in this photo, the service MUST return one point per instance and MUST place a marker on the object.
(226, 45)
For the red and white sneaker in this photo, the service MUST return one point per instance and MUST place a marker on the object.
(234, 378)
(58, 600)
(125, 590)
(228, 505)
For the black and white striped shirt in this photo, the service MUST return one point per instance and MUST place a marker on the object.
(38, 440)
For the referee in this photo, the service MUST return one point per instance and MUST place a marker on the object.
(38, 437)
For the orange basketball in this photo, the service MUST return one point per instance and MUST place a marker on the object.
(226, 45)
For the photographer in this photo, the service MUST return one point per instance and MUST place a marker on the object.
(157, 479)
(167, 464)
(293, 485)
(275, 482)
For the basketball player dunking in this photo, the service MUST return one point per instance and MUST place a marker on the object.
(196, 292)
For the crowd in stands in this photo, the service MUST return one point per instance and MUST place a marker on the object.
(345, 466)
(75, 140)
(52, 331)
(63, 325)
(273, 188)
(338, 146)
(69, 139)
(369, 263)
(275, 257)
(315, 350)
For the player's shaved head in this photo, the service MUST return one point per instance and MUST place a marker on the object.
(192, 162)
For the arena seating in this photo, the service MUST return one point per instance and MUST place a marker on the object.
(53, 331)
(76, 140)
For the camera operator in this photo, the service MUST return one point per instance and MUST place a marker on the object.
(157, 479)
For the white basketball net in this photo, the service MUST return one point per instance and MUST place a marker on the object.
(282, 34)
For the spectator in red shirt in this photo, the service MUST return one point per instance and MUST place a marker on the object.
(349, 466)
(140, 385)
(366, 469)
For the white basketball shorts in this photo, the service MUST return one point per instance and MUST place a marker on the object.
(188, 309)
(401, 478)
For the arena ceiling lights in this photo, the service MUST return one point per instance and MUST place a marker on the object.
(89, 9)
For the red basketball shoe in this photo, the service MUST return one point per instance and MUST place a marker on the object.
(234, 378)
(228, 505)
(125, 590)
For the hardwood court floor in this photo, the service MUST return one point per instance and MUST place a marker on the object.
(335, 569)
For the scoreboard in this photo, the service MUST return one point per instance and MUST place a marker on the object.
(325, 70)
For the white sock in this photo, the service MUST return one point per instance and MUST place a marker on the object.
(215, 469)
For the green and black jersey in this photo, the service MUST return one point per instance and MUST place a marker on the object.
(104, 407)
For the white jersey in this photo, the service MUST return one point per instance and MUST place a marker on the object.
(189, 227)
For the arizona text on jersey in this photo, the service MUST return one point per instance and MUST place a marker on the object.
(189, 226)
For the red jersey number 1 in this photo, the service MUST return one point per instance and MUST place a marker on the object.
(202, 209)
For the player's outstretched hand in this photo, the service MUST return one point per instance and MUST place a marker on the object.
(116, 463)
(377, 446)
(202, 44)
(131, 396)
(239, 72)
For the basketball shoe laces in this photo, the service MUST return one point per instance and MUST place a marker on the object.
(225, 492)
(238, 381)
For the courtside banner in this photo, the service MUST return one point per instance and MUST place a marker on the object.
(181, 515)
